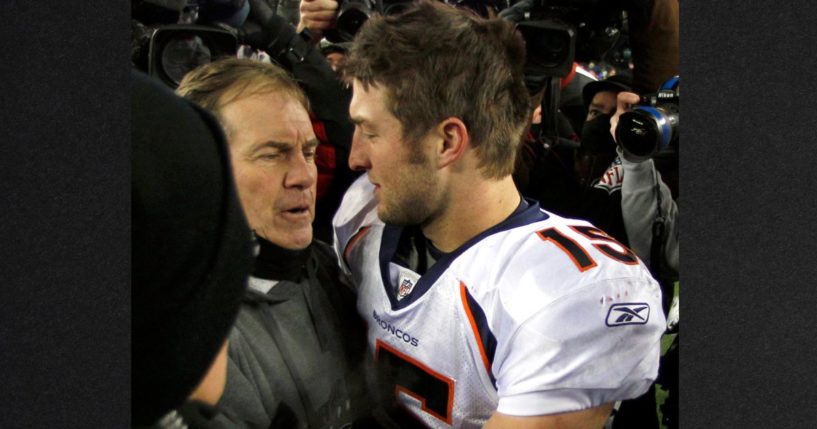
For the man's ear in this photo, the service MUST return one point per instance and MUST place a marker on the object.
(454, 140)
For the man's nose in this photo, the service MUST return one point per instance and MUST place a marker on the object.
(302, 173)
(358, 158)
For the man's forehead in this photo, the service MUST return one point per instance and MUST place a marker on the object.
(252, 122)
(258, 92)
(604, 99)
(603, 96)
(306, 141)
(366, 100)
(283, 104)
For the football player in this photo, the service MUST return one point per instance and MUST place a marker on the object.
(482, 308)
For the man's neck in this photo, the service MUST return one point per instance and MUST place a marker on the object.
(277, 263)
(472, 209)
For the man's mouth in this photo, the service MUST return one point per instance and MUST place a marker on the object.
(297, 213)
(297, 210)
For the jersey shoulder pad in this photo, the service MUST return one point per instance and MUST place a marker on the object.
(357, 209)
(550, 259)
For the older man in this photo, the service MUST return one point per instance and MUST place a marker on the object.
(292, 351)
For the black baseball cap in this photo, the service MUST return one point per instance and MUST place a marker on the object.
(616, 83)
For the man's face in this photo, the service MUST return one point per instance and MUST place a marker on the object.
(603, 103)
(401, 171)
(272, 147)
(335, 59)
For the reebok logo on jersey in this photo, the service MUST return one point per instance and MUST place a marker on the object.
(628, 314)
(388, 327)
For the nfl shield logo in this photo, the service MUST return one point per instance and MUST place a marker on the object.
(405, 288)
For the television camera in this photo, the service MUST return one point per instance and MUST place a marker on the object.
(172, 37)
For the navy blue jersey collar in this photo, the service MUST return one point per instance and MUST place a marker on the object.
(391, 238)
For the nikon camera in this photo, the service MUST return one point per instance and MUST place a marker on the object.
(352, 14)
(652, 126)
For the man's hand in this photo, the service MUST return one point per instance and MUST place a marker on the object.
(624, 103)
(317, 16)
(591, 418)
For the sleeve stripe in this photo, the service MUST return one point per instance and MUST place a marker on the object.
(479, 325)
(352, 241)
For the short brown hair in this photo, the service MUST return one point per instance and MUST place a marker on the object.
(435, 61)
(216, 84)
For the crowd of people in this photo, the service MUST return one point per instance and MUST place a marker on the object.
(385, 232)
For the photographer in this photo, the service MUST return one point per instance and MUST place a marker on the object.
(644, 196)
(650, 218)
(596, 163)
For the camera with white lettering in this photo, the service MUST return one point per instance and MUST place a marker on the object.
(652, 125)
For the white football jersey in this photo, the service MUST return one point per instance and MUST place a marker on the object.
(537, 315)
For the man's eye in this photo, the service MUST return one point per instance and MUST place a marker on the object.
(308, 154)
(268, 156)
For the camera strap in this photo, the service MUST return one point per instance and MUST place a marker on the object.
(657, 230)
(550, 107)
(657, 257)
(299, 46)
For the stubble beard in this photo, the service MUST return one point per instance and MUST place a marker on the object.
(404, 210)
(413, 200)
(413, 203)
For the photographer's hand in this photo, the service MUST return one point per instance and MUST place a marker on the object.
(624, 103)
(317, 16)
(516, 13)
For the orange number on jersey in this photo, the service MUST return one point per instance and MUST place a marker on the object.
(434, 390)
(601, 241)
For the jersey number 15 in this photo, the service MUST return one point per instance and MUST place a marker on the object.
(598, 238)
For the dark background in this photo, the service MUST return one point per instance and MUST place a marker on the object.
(746, 186)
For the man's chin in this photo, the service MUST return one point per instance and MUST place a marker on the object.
(389, 218)
(296, 242)
(382, 214)
(290, 240)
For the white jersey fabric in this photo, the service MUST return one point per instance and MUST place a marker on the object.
(538, 315)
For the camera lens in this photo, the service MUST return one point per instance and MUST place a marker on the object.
(182, 54)
(549, 46)
(640, 131)
(546, 48)
(351, 16)
(350, 21)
